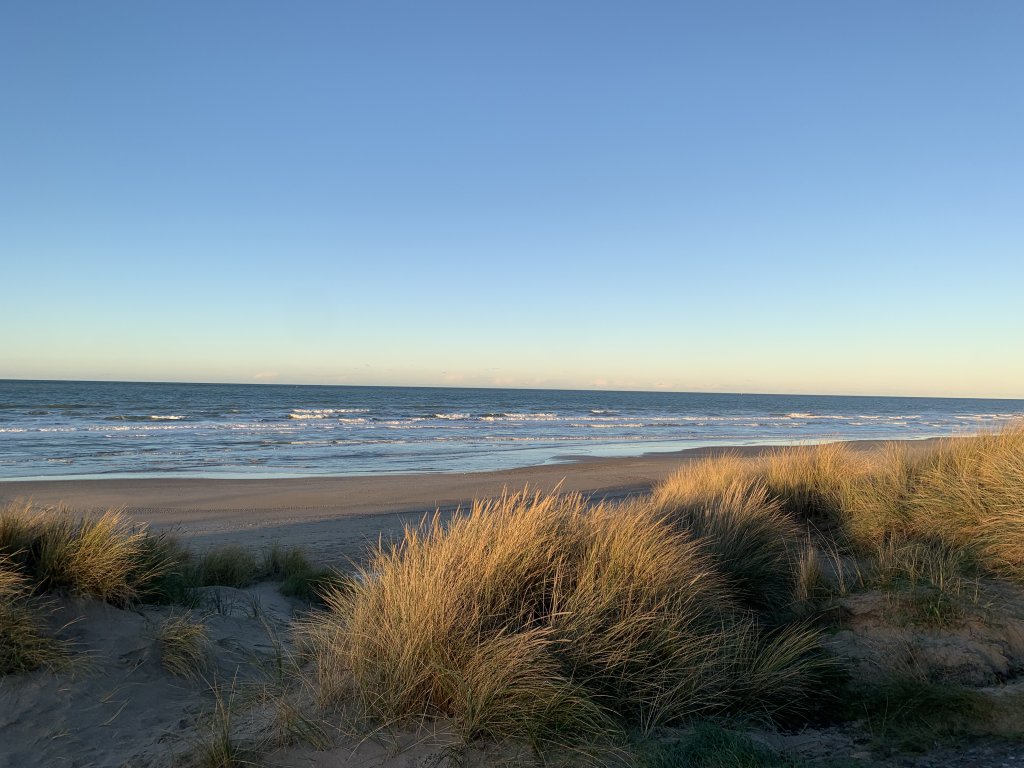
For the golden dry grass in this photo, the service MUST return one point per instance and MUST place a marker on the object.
(966, 493)
(810, 484)
(111, 558)
(20, 527)
(184, 646)
(970, 493)
(105, 556)
(750, 538)
(24, 645)
(874, 498)
(95, 556)
(545, 618)
(813, 482)
(960, 499)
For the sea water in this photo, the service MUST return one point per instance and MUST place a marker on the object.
(111, 429)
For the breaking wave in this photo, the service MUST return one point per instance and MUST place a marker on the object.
(101, 428)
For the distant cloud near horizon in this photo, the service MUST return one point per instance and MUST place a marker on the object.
(265, 375)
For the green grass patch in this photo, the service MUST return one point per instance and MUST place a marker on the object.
(915, 716)
(231, 565)
(710, 746)
(314, 584)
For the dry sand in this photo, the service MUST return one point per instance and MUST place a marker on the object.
(334, 518)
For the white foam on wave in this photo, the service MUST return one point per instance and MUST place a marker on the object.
(521, 417)
(167, 418)
(622, 424)
(451, 416)
(532, 439)
(136, 428)
(883, 417)
(321, 413)
(187, 426)
(988, 417)
(801, 415)
(710, 419)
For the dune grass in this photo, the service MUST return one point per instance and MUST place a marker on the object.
(710, 746)
(24, 644)
(812, 485)
(104, 556)
(312, 584)
(542, 616)
(299, 577)
(217, 745)
(184, 646)
(970, 494)
(911, 715)
(749, 537)
(96, 556)
(545, 618)
(236, 566)
(810, 580)
(166, 574)
(960, 499)
(111, 558)
(813, 482)
(231, 565)
(558, 621)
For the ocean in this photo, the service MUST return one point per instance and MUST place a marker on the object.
(75, 429)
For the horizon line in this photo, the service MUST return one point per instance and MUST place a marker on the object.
(496, 388)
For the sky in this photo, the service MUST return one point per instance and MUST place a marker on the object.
(819, 197)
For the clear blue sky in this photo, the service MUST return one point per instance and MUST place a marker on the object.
(733, 196)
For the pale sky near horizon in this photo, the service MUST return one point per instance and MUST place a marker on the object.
(718, 196)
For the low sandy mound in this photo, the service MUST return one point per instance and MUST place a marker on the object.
(885, 635)
(113, 704)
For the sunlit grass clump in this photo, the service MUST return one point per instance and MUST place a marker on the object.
(965, 494)
(748, 535)
(970, 493)
(184, 646)
(112, 558)
(811, 483)
(962, 499)
(103, 556)
(545, 618)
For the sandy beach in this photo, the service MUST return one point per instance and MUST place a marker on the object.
(336, 518)
(139, 683)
